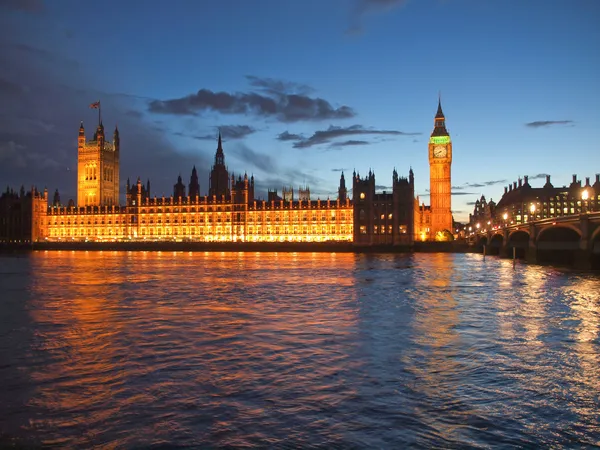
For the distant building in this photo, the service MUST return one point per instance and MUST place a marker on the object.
(21, 214)
(523, 203)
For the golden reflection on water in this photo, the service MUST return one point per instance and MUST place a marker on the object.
(117, 320)
(139, 348)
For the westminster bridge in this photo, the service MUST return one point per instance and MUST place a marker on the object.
(567, 240)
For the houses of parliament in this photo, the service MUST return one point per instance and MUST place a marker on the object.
(230, 212)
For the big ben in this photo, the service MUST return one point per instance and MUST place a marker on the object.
(440, 160)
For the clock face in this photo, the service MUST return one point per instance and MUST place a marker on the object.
(440, 151)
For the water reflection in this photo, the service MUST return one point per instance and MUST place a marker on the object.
(255, 349)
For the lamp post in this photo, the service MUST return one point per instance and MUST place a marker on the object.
(532, 210)
(585, 195)
(505, 217)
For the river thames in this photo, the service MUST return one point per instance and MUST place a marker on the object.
(288, 350)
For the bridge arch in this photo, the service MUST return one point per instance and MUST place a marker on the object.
(481, 241)
(558, 244)
(549, 229)
(519, 240)
(496, 243)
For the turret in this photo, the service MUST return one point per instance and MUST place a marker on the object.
(56, 199)
(342, 191)
(179, 188)
(81, 138)
(116, 139)
(194, 186)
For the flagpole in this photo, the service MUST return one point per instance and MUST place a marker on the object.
(99, 113)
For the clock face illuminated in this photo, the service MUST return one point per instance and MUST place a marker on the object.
(440, 151)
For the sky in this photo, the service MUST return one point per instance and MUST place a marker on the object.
(302, 90)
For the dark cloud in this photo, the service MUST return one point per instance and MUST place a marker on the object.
(285, 136)
(479, 184)
(364, 7)
(333, 132)
(279, 87)
(538, 176)
(274, 103)
(471, 203)
(47, 56)
(547, 123)
(249, 157)
(39, 123)
(32, 6)
(463, 193)
(348, 143)
(228, 132)
(340, 170)
(380, 187)
(134, 114)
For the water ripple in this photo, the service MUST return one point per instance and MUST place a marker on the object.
(286, 350)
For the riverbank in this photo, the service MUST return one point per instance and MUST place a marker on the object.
(325, 247)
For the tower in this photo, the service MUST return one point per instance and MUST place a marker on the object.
(440, 160)
(219, 178)
(194, 186)
(97, 168)
(342, 191)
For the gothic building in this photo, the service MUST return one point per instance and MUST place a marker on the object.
(440, 161)
(97, 169)
(230, 212)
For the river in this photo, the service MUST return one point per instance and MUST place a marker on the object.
(288, 350)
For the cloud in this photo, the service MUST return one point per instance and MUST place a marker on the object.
(348, 143)
(479, 184)
(228, 132)
(340, 170)
(364, 7)
(276, 102)
(381, 187)
(471, 203)
(285, 136)
(31, 6)
(538, 176)
(547, 123)
(333, 132)
(275, 86)
(261, 161)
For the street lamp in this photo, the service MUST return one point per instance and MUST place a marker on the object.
(532, 210)
(585, 195)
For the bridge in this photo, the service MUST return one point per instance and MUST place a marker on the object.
(572, 240)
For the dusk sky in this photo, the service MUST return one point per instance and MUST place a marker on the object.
(302, 90)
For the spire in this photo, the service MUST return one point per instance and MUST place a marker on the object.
(440, 113)
(439, 121)
(219, 156)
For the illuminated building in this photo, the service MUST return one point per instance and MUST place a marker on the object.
(97, 169)
(440, 161)
(231, 213)
(522, 203)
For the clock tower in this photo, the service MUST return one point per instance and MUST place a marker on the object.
(440, 160)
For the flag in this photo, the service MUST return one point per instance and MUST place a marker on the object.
(95, 105)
